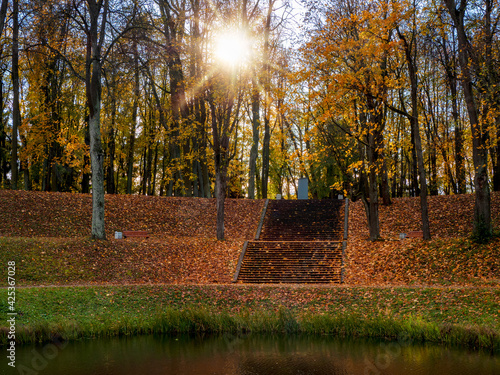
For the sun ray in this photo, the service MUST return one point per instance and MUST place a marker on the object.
(232, 48)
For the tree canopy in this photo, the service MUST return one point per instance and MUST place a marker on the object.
(369, 99)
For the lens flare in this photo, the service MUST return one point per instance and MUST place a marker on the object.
(232, 48)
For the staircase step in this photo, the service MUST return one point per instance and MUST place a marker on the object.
(300, 242)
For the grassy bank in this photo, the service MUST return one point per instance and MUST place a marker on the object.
(467, 317)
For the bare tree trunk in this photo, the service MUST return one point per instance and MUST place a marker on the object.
(3, 158)
(496, 171)
(410, 51)
(16, 114)
(155, 170)
(3, 14)
(385, 191)
(110, 174)
(220, 194)
(449, 65)
(97, 162)
(255, 139)
(265, 156)
(371, 205)
(267, 105)
(134, 122)
(369, 152)
(459, 137)
(180, 112)
(149, 160)
(3, 136)
(93, 88)
(224, 123)
(482, 210)
(424, 211)
(86, 158)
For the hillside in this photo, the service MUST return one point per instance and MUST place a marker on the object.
(450, 258)
(40, 214)
(47, 234)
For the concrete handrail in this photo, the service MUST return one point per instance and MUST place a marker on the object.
(261, 222)
(238, 267)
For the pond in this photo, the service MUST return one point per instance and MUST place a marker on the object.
(249, 354)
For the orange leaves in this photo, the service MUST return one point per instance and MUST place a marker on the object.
(181, 249)
(39, 214)
(448, 259)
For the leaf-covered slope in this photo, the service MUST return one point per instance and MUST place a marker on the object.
(62, 261)
(450, 258)
(183, 248)
(449, 216)
(40, 214)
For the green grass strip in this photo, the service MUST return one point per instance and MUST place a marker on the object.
(200, 320)
(465, 317)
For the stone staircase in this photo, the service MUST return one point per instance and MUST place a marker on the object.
(299, 241)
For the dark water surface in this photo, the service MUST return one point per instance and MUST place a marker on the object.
(249, 354)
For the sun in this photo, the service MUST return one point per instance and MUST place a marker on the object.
(232, 48)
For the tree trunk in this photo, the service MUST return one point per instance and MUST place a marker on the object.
(491, 82)
(86, 158)
(459, 137)
(149, 160)
(265, 156)
(385, 190)
(178, 103)
(97, 162)
(110, 174)
(93, 90)
(3, 14)
(371, 205)
(267, 102)
(369, 152)
(414, 168)
(16, 114)
(134, 122)
(496, 171)
(155, 171)
(3, 136)
(482, 211)
(220, 194)
(255, 140)
(410, 52)
(222, 127)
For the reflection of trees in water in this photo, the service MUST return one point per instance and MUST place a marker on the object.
(296, 355)
(246, 354)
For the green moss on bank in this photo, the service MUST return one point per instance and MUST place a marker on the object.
(467, 317)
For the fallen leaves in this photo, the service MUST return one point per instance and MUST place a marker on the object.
(64, 215)
(82, 261)
(47, 233)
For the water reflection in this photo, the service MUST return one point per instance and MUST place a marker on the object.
(250, 354)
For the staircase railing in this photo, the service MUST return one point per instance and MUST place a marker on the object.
(344, 242)
(261, 222)
(238, 267)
